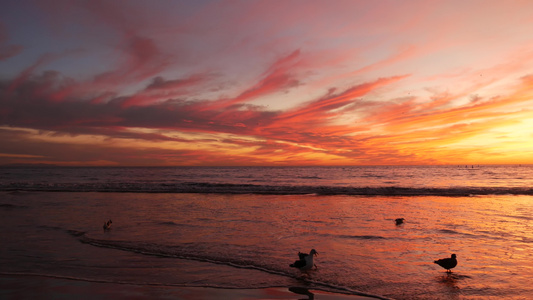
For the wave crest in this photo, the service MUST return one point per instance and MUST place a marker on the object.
(227, 188)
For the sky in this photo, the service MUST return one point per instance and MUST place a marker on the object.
(268, 83)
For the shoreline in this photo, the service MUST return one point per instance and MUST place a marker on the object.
(29, 286)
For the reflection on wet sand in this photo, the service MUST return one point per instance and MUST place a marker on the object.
(451, 283)
(302, 291)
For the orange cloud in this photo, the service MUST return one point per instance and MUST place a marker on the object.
(125, 83)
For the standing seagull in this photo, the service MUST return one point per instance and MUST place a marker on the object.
(447, 263)
(305, 262)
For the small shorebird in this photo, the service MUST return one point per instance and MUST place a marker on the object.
(399, 221)
(305, 263)
(107, 225)
(447, 263)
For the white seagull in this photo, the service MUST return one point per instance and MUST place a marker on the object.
(305, 262)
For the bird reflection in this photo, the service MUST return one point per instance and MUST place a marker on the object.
(302, 291)
(450, 281)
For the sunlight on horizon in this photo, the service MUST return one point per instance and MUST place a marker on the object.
(258, 83)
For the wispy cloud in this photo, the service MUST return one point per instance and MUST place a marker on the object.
(355, 83)
(7, 50)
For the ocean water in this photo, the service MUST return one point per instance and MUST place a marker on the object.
(242, 227)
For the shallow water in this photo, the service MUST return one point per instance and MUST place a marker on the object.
(248, 241)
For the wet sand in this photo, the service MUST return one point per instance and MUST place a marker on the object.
(38, 287)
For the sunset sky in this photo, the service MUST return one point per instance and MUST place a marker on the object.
(154, 83)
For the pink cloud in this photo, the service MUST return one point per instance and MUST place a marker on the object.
(278, 77)
(321, 107)
(142, 59)
(159, 76)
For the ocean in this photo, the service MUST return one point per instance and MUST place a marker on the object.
(241, 227)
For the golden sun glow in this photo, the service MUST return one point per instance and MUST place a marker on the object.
(285, 92)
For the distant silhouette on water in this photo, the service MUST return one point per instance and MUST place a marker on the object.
(107, 225)
(399, 221)
(305, 261)
(447, 263)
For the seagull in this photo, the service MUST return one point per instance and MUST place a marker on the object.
(447, 263)
(399, 221)
(305, 262)
(107, 225)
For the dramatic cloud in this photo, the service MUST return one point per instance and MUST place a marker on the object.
(262, 83)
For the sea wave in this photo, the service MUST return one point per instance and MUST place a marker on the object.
(7, 206)
(187, 252)
(228, 188)
(355, 237)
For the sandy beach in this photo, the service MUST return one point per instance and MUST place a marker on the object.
(38, 287)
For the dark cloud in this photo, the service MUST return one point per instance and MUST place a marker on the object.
(54, 103)
(160, 83)
(31, 105)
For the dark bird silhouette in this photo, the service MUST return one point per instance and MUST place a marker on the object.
(107, 225)
(447, 263)
(305, 261)
(399, 221)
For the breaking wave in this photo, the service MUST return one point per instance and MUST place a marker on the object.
(228, 188)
